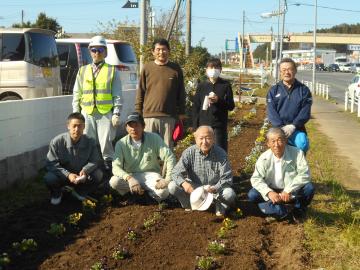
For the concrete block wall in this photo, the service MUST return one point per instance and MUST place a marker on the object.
(26, 128)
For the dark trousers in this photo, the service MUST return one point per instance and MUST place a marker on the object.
(221, 137)
(303, 198)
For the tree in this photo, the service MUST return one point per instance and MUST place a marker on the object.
(42, 22)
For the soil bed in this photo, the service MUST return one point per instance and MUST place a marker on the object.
(172, 242)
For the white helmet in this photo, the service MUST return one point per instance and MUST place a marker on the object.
(97, 41)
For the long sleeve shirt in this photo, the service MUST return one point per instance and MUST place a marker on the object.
(289, 106)
(212, 169)
(294, 171)
(65, 157)
(217, 113)
(161, 90)
(116, 92)
(130, 159)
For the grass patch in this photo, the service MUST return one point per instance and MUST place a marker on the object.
(333, 228)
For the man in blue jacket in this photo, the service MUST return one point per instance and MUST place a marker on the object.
(289, 105)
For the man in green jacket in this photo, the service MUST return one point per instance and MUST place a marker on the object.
(136, 162)
(281, 177)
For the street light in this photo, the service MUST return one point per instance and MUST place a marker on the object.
(278, 52)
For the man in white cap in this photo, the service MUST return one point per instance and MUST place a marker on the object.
(97, 94)
(203, 164)
(136, 162)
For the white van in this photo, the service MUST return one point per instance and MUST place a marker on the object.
(29, 64)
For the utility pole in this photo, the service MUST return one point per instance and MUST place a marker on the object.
(143, 29)
(314, 63)
(243, 52)
(188, 28)
(22, 18)
(174, 19)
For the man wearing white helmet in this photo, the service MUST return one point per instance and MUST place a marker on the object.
(97, 94)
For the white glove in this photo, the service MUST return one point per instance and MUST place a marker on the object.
(135, 186)
(115, 120)
(161, 184)
(288, 130)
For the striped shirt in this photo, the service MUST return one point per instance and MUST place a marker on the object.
(212, 169)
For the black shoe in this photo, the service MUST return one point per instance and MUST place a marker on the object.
(298, 215)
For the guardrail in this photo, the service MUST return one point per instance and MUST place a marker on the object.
(321, 89)
(352, 101)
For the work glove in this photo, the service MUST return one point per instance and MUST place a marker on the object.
(134, 186)
(115, 120)
(288, 130)
(161, 183)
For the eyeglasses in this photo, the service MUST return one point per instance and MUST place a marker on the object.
(99, 50)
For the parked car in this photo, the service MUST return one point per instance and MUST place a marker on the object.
(333, 68)
(74, 53)
(345, 67)
(354, 86)
(29, 64)
(319, 67)
(355, 67)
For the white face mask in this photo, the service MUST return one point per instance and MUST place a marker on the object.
(213, 73)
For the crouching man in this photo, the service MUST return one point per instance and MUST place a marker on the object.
(73, 160)
(281, 178)
(200, 165)
(136, 166)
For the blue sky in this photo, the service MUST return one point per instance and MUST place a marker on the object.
(213, 20)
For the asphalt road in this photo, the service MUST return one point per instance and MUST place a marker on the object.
(337, 81)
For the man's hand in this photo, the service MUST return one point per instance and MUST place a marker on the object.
(288, 130)
(286, 197)
(72, 178)
(274, 197)
(187, 187)
(161, 184)
(211, 189)
(213, 99)
(135, 186)
(115, 120)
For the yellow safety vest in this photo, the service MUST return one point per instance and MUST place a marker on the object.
(96, 93)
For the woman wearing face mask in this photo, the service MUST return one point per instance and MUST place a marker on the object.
(212, 101)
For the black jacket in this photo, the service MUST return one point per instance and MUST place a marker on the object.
(216, 115)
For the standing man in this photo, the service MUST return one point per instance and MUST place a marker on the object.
(203, 164)
(97, 94)
(73, 159)
(289, 105)
(212, 101)
(160, 97)
(281, 177)
(136, 165)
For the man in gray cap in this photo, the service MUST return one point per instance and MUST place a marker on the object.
(136, 162)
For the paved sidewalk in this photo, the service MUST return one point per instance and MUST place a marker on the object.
(343, 130)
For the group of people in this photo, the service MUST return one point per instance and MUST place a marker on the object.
(79, 157)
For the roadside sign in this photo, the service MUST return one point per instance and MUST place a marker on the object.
(131, 4)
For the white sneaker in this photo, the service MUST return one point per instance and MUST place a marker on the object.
(56, 200)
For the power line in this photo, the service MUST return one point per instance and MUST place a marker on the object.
(325, 7)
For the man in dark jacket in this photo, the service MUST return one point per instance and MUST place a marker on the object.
(289, 105)
(212, 101)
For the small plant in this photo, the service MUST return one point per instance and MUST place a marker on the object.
(217, 247)
(148, 223)
(222, 232)
(238, 213)
(205, 263)
(74, 219)
(57, 229)
(106, 199)
(120, 253)
(162, 206)
(228, 223)
(25, 245)
(88, 207)
(4, 260)
(101, 265)
(131, 235)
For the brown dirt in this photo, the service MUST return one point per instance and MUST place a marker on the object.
(173, 243)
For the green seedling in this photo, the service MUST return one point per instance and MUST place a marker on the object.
(120, 253)
(57, 229)
(217, 247)
(228, 223)
(106, 199)
(205, 263)
(131, 235)
(222, 232)
(4, 260)
(88, 207)
(148, 223)
(25, 245)
(74, 219)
